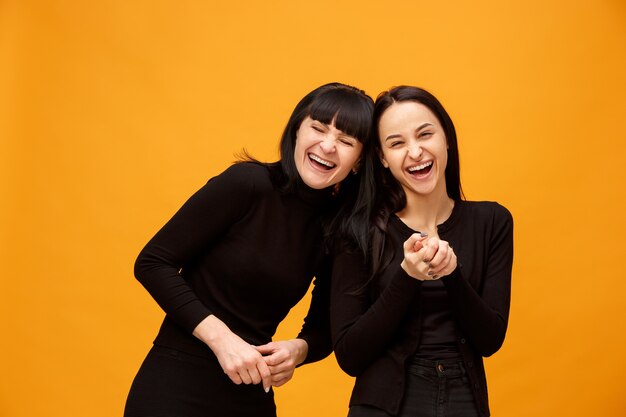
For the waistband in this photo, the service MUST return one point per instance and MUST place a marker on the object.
(448, 368)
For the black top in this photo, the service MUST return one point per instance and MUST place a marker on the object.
(376, 331)
(242, 250)
(438, 327)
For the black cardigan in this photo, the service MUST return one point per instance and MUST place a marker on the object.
(376, 331)
(242, 250)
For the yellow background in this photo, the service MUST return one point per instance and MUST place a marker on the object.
(113, 112)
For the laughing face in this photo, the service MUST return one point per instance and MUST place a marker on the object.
(324, 155)
(414, 148)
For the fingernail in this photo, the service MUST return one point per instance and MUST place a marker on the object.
(435, 276)
(422, 234)
(430, 273)
(267, 389)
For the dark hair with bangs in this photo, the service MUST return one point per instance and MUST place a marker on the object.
(390, 195)
(351, 111)
(348, 107)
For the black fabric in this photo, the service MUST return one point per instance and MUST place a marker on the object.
(376, 331)
(438, 328)
(171, 383)
(434, 389)
(242, 250)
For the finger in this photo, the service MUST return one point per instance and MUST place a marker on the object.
(450, 264)
(440, 256)
(409, 244)
(284, 366)
(234, 376)
(429, 252)
(266, 349)
(443, 265)
(414, 242)
(277, 357)
(265, 374)
(245, 376)
(419, 244)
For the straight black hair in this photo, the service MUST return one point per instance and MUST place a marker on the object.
(351, 111)
(390, 197)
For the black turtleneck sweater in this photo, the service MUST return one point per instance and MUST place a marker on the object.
(245, 252)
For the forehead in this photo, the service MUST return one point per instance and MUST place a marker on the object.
(406, 115)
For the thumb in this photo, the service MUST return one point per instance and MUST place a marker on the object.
(414, 242)
(266, 349)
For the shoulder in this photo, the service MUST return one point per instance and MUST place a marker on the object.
(487, 210)
(246, 176)
(246, 172)
(488, 218)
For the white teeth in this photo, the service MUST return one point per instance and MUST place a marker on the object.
(321, 161)
(420, 167)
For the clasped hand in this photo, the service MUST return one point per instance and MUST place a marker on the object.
(428, 258)
(272, 364)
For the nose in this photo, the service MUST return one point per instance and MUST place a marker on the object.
(328, 144)
(415, 150)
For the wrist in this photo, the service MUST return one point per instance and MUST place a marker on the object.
(301, 350)
(211, 331)
(405, 267)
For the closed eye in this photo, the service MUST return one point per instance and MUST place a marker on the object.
(348, 141)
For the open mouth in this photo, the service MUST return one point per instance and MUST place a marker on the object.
(321, 163)
(421, 169)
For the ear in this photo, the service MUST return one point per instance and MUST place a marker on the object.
(356, 166)
(382, 160)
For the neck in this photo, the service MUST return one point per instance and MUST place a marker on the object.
(424, 212)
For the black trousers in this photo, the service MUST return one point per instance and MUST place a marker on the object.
(433, 389)
(171, 383)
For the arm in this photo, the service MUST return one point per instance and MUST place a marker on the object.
(483, 316)
(363, 329)
(202, 220)
(313, 342)
(316, 328)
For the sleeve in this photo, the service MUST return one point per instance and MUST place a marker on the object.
(316, 328)
(205, 217)
(363, 329)
(483, 316)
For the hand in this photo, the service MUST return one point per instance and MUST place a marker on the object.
(413, 263)
(440, 258)
(282, 357)
(239, 360)
(428, 259)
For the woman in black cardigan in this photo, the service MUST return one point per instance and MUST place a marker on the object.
(413, 319)
(242, 251)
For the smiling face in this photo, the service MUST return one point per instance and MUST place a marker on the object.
(414, 148)
(324, 155)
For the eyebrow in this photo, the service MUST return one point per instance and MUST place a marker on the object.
(397, 135)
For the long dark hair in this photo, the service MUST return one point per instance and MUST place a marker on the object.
(351, 110)
(390, 197)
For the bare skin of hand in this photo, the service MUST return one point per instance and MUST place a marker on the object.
(240, 361)
(282, 357)
(428, 258)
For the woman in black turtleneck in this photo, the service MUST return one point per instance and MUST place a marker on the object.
(242, 251)
(414, 321)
